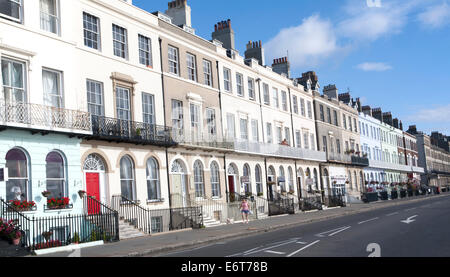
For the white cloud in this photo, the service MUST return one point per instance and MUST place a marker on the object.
(435, 16)
(374, 67)
(307, 43)
(439, 114)
(370, 23)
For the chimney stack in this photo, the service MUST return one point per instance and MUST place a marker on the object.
(344, 97)
(378, 114)
(412, 130)
(331, 91)
(387, 118)
(367, 110)
(395, 123)
(255, 51)
(225, 34)
(312, 76)
(180, 12)
(281, 66)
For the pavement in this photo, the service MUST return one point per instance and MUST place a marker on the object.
(159, 244)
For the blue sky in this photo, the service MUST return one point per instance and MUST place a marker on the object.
(393, 54)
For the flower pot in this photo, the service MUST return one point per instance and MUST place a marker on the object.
(16, 241)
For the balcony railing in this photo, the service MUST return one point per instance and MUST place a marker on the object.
(40, 117)
(112, 129)
(348, 159)
(201, 140)
(398, 167)
(277, 150)
(361, 161)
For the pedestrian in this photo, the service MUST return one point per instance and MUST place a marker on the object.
(245, 210)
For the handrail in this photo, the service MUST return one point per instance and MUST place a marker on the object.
(44, 116)
(132, 213)
(23, 222)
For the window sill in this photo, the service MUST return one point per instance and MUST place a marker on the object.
(155, 201)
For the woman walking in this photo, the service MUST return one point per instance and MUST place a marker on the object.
(245, 210)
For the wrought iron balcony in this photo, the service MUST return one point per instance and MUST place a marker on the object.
(277, 150)
(201, 140)
(360, 161)
(393, 166)
(111, 129)
(44, 118)
(348, 159)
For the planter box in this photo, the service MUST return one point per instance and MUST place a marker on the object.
(394, 194)
(402, 193)
(370, 197)
(384, 195)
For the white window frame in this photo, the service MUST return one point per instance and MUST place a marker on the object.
(145, 50)
(191, 64)
(122, 53)
(227, 79)
(60, 94)
(207, 73)
(54, 18)
(173, 58)
(148, 108)
(20, 19)
(95, 94)
(251, 88)
(240, 84)
(85, 30)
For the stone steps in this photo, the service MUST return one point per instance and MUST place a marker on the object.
(127, 231)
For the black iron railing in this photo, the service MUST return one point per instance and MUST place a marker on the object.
(281, 206)
(336, 201)
(155, 221)
(53, 231)
(360, 161)
(112, 129)
(311, 203)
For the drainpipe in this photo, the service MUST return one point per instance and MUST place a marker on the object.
(222, 128)
(165, 124)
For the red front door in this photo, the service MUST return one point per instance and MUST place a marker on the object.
(231, 188)
(93, 190)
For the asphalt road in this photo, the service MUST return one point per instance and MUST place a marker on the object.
(411, 230)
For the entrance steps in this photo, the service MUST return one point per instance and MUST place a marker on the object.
(127, 231)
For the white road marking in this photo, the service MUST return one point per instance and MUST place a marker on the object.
(409, 220)
(301, 242)
(330, 235)
(321, 235)
(275, 252)
(301, 249)
(410, 209)
(268, 248)
(392, 214)
(251, 250)
(368, 220)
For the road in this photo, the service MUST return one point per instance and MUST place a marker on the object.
(410, 230)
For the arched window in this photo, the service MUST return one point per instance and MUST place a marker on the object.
(127, 178)
(153, 184)
(259, 187)
(282, 177)
(56, 183)
(247, 183)
(17, 184)
(94, 163)
(198, 180)
(316, 179)
(215, 180)
(271, 175)
(291, 179)
(350, 180)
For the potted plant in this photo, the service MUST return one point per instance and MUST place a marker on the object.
(82, 193)
(76, 238)
(60, 203)
(260, 194)
(22, 206)
(46, 193)
(15, 235)
(291, 192)
(47, 235)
